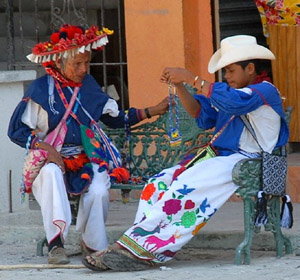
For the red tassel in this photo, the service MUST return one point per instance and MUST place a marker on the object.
(120, 174)
(85, 176)
(178, 172)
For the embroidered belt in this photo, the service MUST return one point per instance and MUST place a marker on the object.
(71, 150)
(248, 154)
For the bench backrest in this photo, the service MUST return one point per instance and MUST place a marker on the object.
(149, 146)
(149, 149)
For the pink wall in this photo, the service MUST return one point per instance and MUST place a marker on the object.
(198, 36)
(164, 33)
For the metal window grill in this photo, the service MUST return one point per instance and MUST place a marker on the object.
(31, 21)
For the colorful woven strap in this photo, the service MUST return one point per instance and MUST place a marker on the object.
(67, 105)
(220, 131)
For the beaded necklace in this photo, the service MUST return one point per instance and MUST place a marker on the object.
(126, 147)
(174, 132)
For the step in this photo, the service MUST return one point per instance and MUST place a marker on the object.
(217, 234)
(293, 181)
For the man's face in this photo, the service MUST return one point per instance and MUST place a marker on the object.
(76, 67)
(236, 76)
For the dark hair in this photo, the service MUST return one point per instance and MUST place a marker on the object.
(260, 64)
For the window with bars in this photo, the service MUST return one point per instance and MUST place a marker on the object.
(31, 21)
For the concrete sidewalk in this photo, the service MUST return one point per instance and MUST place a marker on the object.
(224, 230)
(210, 253)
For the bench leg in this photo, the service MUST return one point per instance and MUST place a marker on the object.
(125, 195)
(242, 252)
(40, 245)
(274, 225)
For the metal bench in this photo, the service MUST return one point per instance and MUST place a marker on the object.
(150, 151)
(247, 174)
(149, 148)
(148, 160)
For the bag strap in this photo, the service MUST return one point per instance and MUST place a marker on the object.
(102, 134)
(214, 138)
(198, 154)
(58, 129)
(105, 140)
(251, 130)
(65, 102)
(282, 148)
(248, 124)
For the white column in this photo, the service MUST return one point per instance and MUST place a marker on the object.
(11, 155)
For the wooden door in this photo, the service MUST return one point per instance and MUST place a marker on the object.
(284, 42)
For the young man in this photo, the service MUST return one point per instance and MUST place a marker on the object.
(66, 59)
(173, 209)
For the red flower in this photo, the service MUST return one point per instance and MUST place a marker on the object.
(64, 44)
(41, 47)
(172, 206)
(148, 192)
(79, 39)
(89, 133)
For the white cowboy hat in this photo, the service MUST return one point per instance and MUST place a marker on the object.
(237, 48)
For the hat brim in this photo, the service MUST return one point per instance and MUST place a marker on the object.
(241, 53)
(92, 44)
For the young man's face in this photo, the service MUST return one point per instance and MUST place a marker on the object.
(237, 77)
(76, 67)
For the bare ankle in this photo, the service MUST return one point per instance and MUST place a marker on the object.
(116, 246)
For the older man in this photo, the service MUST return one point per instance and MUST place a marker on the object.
(66, 59)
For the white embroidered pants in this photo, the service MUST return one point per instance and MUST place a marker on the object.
(171, 213)
(50, 192)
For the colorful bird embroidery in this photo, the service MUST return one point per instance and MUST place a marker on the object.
(185, 190)
(204, 205)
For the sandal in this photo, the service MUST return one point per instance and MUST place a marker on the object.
(86, 251)
(96, 257)
(123, 260)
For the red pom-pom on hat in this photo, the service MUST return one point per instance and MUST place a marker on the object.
(71, 30)
(55, 38)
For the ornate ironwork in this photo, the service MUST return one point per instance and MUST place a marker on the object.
(10, 35)
(58, 14)
(149, 147)
(247, 174)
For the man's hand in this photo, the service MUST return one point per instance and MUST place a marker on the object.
(176, 76)
(53, 155)
(160, 108)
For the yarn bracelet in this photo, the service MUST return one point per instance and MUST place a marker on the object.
(148, 115)
(174, 132)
